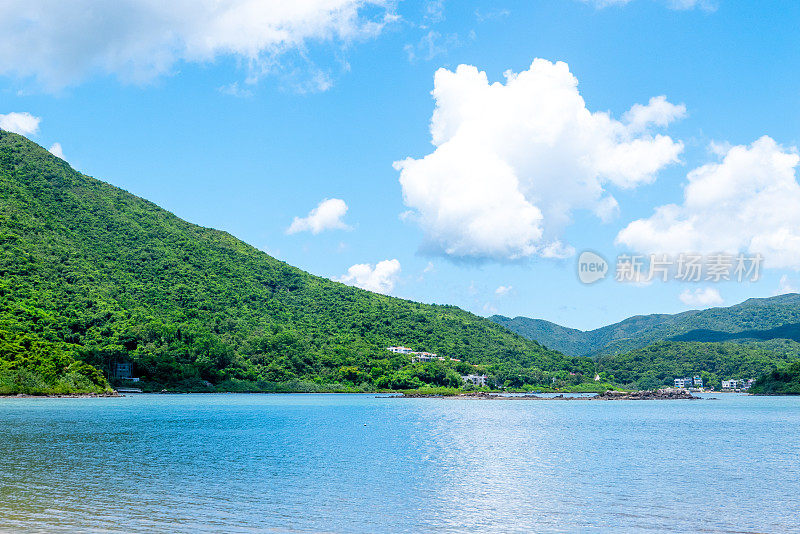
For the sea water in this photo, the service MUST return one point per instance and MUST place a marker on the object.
(360, 463)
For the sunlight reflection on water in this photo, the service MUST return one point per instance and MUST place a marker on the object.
(355, 463)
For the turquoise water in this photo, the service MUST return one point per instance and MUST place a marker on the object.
(356, 463)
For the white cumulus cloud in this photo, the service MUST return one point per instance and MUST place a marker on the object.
(59, 43)
(326, 216)
(21, 123)
(657, 112)
(703, 297)
(513, 160)
(56, 150)
(379, 278)
(748, 202)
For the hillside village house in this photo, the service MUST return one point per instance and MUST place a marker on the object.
(688, 382)
(419, 356)
(734, 384)
(123, 371)
(475, 380)
(425, 357)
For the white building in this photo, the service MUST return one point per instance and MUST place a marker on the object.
(730, 384)
(419, 356)
(476, 380)
(424, 357)
(734, 384)
(689, 382)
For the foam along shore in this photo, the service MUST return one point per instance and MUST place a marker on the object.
(661, 394)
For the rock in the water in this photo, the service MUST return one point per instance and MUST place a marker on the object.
(661, 394)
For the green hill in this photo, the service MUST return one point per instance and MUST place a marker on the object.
(658, 364)
(784, 381)
(91, 273)
(788, 331)
(766, 318)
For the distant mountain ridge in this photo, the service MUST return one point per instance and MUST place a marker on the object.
(757, 318)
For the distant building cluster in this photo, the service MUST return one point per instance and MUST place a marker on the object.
(696, 382)
(733, 384)
(419, 356)
(689, 382)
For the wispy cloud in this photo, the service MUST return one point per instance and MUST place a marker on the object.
(56, 150)
(786, 286)
(431, 45)
(503, 290)
(681, 5)
(492, 14)
(234, 89)
(61, 43)
(702, 297)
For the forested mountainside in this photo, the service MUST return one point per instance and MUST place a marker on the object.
(784, 381)
(762, 319)
(93, 276)
(657, 365)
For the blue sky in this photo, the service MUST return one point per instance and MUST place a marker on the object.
(230, 127)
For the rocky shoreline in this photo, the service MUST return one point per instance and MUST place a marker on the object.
(62, 396)
(661, 394)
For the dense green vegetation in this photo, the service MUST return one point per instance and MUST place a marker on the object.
(92, 274)
(784, 381)
(566, 340)
(762, 319)
(788, 331)
(658, 364)
(32, 366)
(647, 352)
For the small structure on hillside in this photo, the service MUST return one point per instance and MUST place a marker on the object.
(737, 385)
(689, 382)
(475, 380)
(419, 356)
(424, 357)
(123, 371)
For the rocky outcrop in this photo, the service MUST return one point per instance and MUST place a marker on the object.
(661, 394)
